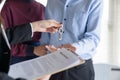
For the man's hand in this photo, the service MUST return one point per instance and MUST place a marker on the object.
(52, 48)
(44, 78)
(69, 47)
(40, 50)
(46, 26)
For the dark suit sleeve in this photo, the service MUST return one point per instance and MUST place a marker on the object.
(15, 35)
(4, 55)
(19, 34)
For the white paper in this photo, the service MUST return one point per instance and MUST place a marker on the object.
(44, 65)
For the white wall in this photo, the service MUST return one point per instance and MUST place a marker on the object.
(109, 48)
(42, 1)
(114, 27)
(102, 55)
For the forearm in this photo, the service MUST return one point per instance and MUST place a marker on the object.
(19, 34)
(85, 46)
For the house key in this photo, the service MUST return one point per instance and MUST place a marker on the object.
(60, 31)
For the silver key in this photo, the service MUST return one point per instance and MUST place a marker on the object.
(60, 31)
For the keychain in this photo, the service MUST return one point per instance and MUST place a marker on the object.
(60, 31)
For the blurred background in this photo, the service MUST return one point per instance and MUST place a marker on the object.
(109, 48)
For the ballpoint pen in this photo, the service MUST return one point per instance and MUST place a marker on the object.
(60, 31)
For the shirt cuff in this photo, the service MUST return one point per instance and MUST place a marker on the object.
(31, 29)
(78, 51)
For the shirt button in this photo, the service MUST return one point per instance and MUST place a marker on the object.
(65, 19)
(67, 6)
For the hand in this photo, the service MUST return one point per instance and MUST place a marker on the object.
(51, 48)
(40, 50)
(46, 26)
(44, 77)
(69, 47)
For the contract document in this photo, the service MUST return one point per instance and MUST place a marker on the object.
(49, 64)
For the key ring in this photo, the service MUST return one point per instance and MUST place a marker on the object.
(60, 31)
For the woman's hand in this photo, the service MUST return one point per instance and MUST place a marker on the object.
(44, 77)
(42, 50)
(51, 26)
(69, 47)
(52, 48)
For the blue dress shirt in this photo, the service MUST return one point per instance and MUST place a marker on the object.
(81, 24)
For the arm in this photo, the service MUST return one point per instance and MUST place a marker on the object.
(19, 34)
(92, 35)
(24, 32)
